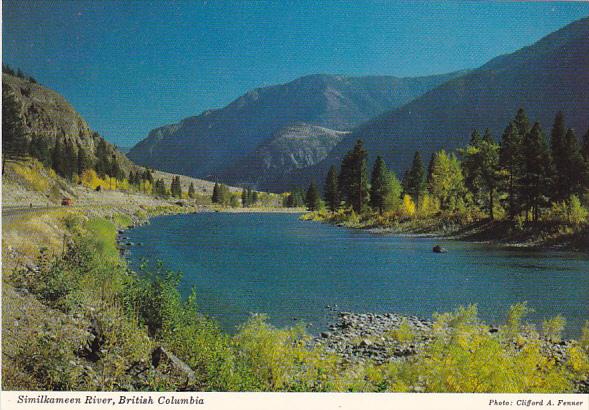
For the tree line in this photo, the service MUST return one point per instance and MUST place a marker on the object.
(17, 73)
(521, 175)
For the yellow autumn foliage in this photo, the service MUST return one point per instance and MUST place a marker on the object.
(408, 207)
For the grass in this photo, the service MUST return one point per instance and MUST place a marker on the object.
(34, 174)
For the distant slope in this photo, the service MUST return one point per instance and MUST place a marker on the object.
(548, 76)
(293, 147)
(48, 115)
(207, 144)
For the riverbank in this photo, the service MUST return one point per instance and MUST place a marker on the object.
(76, 318)
(503, 233)
(390, 337)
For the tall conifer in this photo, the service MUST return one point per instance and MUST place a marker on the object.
(331, 191)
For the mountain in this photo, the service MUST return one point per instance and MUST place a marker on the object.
(209, 143)
(293, 147)
(549, 76)
(46, 114)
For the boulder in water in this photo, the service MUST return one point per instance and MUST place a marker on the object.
(439, 249)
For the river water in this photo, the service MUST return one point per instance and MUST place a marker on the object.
(291, 270)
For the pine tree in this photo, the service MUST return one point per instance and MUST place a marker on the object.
(558, 151)
(430, 169)
(572, 172)
(353, 178)
(537, 171)
(216, 198)
(511, 162)
(84, 160)
(103, 165)
(191, 191)
(71, 159)
(14, 142)
(585, 154)
(416, 179)
(254, 198)
(489, 169)
(331, 190)
(176, 187)
(379, 185)
(471, 164)
(312, 198)
(244, 198)
(521, 123)
(585, 147)
(58, 158)
(39, 148)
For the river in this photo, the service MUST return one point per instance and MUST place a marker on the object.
(291, 270)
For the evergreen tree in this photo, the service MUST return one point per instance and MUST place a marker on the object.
(537, 171)
(14, 142)
(103, 166)
(224, 195)
(39, 148)
(585, 155)
(84, 160)
(489, 170)
(191, 191)
(585, 147)
(216, 198)
(379, 185)
(511, 162)
(244, 198)
(353, 178)
(471, 165)
(521, 123)
(405, 182)
(416, 179)
(254, 198)
(295, 199)
(176, 187)
(160, 188)
(71, 159)
(58, 158)
(571, 175)
(559, 153)
(331, 190)
(430, 169)
(312, 198)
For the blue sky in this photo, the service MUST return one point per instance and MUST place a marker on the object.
(130, 66)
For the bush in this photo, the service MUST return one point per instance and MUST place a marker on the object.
(570, 212)
(552, 328)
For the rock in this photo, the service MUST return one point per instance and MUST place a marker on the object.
(439, 249)
(160, 356)
(325, 334)
(365, 343)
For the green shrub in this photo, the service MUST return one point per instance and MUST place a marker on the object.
(552, 328)
(570, 211)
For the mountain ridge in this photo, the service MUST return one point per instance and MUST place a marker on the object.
(548, 76)
(223, 136)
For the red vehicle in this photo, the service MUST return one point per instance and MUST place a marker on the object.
(66, 202)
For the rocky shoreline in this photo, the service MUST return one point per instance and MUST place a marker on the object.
(360, 337)
(388, 337)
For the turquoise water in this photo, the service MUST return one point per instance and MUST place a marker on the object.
(290, 270)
